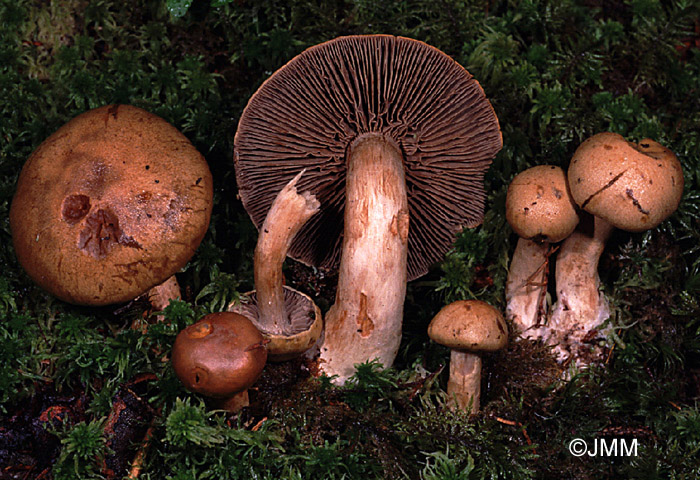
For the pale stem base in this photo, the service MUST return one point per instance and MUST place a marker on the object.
(526, 288)
(581, 306)
(365, 322)
(464, 385)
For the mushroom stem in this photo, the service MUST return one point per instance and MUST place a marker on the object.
(464, 384)
(580, 306)
(160, 295)
(526, 287)
(233, 403)
(288, 213)
(365, 322)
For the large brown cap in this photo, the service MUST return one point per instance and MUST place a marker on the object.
(306, 324)
(112, 204)
(220, 355)
(309, 112)
(470, 325)
(539, 205)
(633, 187)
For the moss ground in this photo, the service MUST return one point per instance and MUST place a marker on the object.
(556, 71)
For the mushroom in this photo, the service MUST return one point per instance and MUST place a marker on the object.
(388, 129)
(220, 357)
(288, 318)
(633, 187)
(111, 205)
(541, 211)
(468, 328)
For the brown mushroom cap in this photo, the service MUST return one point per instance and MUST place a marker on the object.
(220, 355)
(633, 187)
(110, 205)
(539, 205)
(309, 112)
(469, 325)
(306, 322)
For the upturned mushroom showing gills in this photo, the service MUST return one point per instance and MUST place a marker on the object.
(541, 211)
(112, 204)
(469, 328)
(633, 187)
(288, 318)
(395, 137)
(220, 357)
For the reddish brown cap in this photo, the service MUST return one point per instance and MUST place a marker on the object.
(112, 204)
(539, 205)
(633, 187)
(220, 355)
(469, 325)
(307, 114)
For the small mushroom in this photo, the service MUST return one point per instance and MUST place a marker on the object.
(288, 318)
(633, 187)
(541, 211)
(391, 132)
(111, 205)
(468, 328)
(220, 357)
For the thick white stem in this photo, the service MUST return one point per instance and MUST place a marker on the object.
(365, 321)
(526, 287)
(160, 295)
(464, 384)
(580, 306)
(288, 213)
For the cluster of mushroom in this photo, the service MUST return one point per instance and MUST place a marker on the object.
(611, 183)
(394, 137)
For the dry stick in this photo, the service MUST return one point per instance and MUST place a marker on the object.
(365, 322)
(288, 213)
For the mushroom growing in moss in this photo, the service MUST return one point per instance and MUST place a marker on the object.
(111, 205)
(220, 357)
(288, 318)
(633, 187)
(391, 132)
(541, 211)
(468, 328)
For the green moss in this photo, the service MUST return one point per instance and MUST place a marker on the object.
(555, 71)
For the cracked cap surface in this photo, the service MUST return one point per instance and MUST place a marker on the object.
(112, 204)
(634, 187)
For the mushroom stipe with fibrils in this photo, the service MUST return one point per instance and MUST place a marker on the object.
(395, 137)
(541, 211)
(112, 204)
(288, 318)
(633, 187)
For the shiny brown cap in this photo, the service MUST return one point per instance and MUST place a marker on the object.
(633, 187)
(470, 325)
(539, 205)
(110, 205)
(307, 114)
(220, 355)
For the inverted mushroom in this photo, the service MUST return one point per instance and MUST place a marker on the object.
(469, 328)
(220, 357)
(390, 131)
(633, 187)
(541, 211)
(288, 318)
(112, 204)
